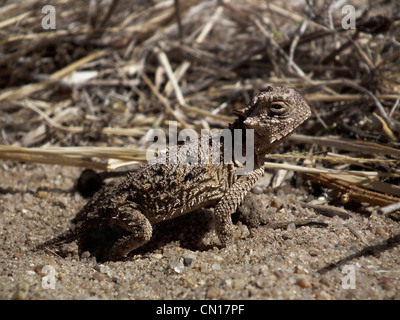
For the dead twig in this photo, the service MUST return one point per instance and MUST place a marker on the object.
(389, 208)
(349, 192)
(327, 210)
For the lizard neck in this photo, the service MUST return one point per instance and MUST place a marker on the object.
(262, 146)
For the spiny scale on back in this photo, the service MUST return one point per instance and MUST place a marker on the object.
(162, 191)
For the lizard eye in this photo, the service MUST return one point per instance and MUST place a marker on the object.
(277, 108)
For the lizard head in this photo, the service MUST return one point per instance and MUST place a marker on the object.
(275, 113)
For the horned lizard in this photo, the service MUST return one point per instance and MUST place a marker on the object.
(162, 191)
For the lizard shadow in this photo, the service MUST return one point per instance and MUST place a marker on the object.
(188, 230)
(373, 250)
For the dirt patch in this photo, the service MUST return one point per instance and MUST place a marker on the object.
(307, 262)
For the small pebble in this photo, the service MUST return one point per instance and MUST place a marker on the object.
(257, 190)
(276, 203)
(85, 255)
(61, 275)
(212, 293)
(244, 231)
(216, 266)
(188, 259)
(168, 253)
(100, 268)
(114, 279)
(325, 281)
(303, 283)
(191, 281)
(97, 267)
(301, 270)
(379, 231)
(278, 273)
(291, 227)
(387, 284)
(38, 269)
(21, 291)
(17, 255)
(289, 242)
(103, 269)
(178, 267)
(238, 284)
(323, 295)
(98, 276)
(157, 256)
(86, 285)
(41, 194)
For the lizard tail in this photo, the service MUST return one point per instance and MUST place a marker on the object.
(63, 238)
(67, 236)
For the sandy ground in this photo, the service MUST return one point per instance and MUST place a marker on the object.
(357, 258)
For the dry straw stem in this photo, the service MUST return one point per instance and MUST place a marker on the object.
(389, 209)
(178, 92)
(286, 166)
(165, 101)
(346, 97)
(348, 145)
(13, 20)
(367, 179)
(135, 132)
(27, 90)
(72, 156)
(295, 17)
(349, 83)
(351, 192)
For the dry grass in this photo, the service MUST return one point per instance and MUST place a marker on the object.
(112, 70)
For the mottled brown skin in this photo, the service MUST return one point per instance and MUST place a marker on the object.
(162, 191)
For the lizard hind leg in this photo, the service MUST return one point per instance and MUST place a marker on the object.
(139, 228)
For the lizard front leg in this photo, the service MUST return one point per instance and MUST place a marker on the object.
(229, 203)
